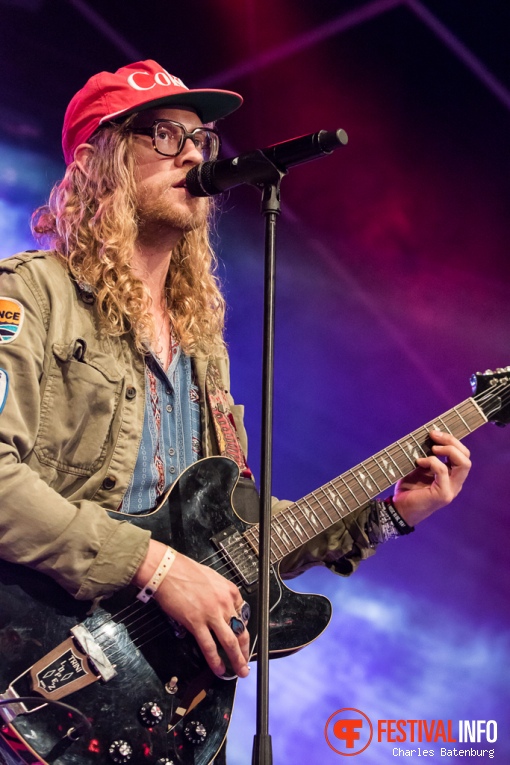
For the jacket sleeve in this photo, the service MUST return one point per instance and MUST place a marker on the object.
(76, 543)
(341, 547)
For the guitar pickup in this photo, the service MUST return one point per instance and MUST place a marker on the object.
(239, 555)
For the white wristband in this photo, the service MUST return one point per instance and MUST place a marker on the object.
(147, 592)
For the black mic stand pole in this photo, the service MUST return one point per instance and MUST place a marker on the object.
(257, 170)
(270, 209)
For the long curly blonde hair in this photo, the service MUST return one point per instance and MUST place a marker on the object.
(90, 222)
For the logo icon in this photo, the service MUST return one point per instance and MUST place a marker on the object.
(11, 319)
(348, 731)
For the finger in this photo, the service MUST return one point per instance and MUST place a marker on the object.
(244, 645)
(447, 438)
(233, 647)
(433, 465)
(458, 465)
(441, 475)
(454, 455)
(210, 651)
(243, 613)
(447, 484)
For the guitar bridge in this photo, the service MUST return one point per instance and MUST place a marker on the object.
(238, 554)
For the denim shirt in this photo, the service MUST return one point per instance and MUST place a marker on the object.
(171, 431)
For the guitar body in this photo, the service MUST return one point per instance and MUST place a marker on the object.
(155, 659)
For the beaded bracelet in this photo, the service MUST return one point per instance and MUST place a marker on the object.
(147, 592)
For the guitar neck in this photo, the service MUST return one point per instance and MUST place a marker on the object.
(336, 499)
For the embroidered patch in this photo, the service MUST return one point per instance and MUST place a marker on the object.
(11, 319)
(4, 388)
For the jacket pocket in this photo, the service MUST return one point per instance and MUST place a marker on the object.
(78, 406)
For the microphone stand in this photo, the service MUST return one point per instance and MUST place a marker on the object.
(256, 168)
(270, 209)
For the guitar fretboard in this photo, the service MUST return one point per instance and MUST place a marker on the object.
(328, 504)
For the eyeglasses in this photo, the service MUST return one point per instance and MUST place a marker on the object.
(169, 138)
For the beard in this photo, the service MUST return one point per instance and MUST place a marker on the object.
(158, 216)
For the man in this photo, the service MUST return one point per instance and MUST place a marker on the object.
(118, 374)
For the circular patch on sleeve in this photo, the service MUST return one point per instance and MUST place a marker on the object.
(11, 319)
(4, 388)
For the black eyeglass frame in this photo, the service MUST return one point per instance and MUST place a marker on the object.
(151, 131)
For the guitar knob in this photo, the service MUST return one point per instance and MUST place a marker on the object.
(150, 714)
(120, 751)
(195, 732)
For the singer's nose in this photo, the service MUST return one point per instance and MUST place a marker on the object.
(189, 154)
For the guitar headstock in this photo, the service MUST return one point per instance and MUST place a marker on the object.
(492, 391)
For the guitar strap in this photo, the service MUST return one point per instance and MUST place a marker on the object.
(223, 419)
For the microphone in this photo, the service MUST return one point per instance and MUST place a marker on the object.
(219, 175)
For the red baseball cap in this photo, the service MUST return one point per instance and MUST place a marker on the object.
(143, 85)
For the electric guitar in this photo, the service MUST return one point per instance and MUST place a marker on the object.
(138, 684)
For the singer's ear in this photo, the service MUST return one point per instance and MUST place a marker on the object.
(82, 155)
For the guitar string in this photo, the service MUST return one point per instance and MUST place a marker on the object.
(147, 637)
(142, 614)
(158, 625)
(227, 565)
(152, 623)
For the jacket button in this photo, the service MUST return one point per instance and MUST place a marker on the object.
(130, 392)
(108, 483)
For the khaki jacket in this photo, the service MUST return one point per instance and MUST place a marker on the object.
(69, 437)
